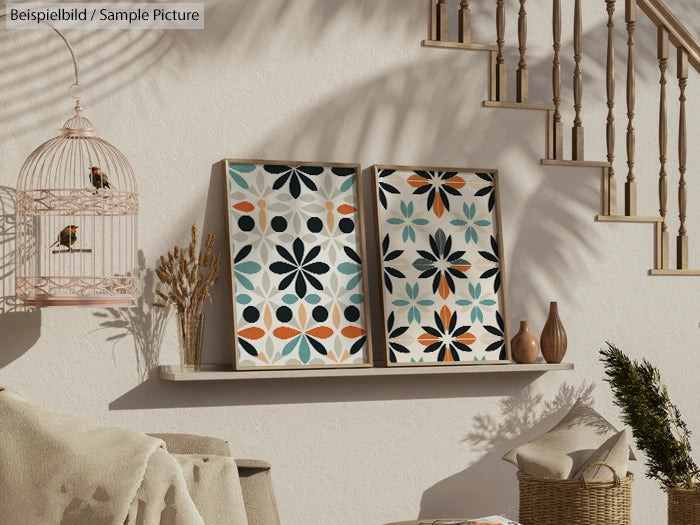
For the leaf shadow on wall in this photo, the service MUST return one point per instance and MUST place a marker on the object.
(24, 324)
(38, 96)
(489, 486)
(145, 322)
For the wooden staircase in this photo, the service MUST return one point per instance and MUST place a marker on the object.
(670, 32)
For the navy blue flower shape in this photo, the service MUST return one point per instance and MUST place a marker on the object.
(299, 267)
(389, 272)
(487, 190)
(384, 187)
(395, 332)
(296, 175)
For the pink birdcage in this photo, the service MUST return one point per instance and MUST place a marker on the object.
(76, 220)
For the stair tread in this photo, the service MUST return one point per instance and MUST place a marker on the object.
(627, 218)
(673, 272)
(582, 163)
(459, 45)
(517, 105)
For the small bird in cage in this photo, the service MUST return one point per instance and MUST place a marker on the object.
(99, 179)
(67, 237)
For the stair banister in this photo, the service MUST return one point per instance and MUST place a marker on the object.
(662, 54)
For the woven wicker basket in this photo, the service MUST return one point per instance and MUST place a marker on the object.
(683, 507)
(547, 501)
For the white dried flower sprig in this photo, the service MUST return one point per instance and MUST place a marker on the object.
(188, 276)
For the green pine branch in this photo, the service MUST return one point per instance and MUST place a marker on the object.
(656, 423)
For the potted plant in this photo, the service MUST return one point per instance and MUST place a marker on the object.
(658, 430)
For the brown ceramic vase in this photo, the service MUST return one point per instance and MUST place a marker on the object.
(553, 338)
(524, 346)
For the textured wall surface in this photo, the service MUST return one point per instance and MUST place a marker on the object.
(347, 81)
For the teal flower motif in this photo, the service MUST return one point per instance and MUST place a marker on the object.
(406, 219)
(310, 298)
(413, 302)
(241, 267)
(472, 223)
(237, 171)
(351, 268)
(476, 303)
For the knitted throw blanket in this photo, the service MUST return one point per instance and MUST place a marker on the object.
(58, 469)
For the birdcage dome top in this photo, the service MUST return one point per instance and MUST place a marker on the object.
(68, 161)
(78, 125)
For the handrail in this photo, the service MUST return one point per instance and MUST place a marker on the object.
(680, 37)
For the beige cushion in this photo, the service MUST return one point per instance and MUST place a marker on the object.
(614, 452)
(564, 449)
(213, 483)
(194, 444)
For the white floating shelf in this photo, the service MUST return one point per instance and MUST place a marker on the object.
(224, 372)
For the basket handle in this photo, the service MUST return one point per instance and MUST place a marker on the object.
(616, 478)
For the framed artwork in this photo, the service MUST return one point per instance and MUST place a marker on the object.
(297, 265)
(441, 252)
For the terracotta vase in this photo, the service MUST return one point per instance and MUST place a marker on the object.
(553, 338)
(524, 346)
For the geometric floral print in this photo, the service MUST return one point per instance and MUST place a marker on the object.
(443, 294)
(297, 269)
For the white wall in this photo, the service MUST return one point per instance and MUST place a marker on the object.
(347, 81)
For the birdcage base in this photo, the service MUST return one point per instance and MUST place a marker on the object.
(40, 301)
(77, 291)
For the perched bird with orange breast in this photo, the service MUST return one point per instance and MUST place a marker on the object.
(67, 237)
(98, 178)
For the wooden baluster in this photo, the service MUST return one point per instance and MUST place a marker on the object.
(558, 127)
(501, 87)
(577, 130)
(662, 53)
(443, 33)
(433, 19)
(611, 197)
(522, 74)
(682, 240)
(465, 22)
(631, 184)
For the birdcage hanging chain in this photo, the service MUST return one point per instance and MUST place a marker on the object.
(70, 48)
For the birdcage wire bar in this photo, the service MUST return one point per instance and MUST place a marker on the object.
(55, 191)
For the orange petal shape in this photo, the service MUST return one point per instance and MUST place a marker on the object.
(302, 316)
(251, 333)
(285, 332)
(461, 267)
(455, 182)
(438, 206)
(443, 287)
(263, 358)
(352, 332)
(331, 357)
(330, 221)
(445, 316)
(267, 317)
(466, 339)
(262, 219)
(320, 332)
(448, 356)
(426, 339)
(345, 356)
(336, 316)
(417, 181)
(244, 206)
(346, 209)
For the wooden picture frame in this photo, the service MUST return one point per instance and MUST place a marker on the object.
(441, 258)
(296, 246)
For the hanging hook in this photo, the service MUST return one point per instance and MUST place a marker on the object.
(76, 84)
